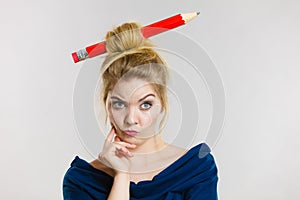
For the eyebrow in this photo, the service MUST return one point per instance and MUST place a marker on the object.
(115, 97)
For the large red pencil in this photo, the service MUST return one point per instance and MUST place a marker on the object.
(147, 31)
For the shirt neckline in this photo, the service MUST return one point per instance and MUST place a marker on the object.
(82, 163)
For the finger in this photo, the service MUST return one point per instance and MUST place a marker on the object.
(122, 150)
(117, 139)
(125, 144)
(111, 135)
(118, 154)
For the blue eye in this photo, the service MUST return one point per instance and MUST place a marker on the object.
(147, 105)
(120, 105)
(117, 104)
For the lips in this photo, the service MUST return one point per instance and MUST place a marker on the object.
(131, 133)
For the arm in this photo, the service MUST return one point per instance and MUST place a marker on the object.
(206, 190)
(120, 188)
(116, 155)
(81, 184)
(72, 192)
(205, 187)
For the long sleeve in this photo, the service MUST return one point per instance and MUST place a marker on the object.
(205, 188)
(208, 192)
(83, 182)
(73, 191)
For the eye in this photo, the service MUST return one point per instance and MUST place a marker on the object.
(146, 105)
(118, 104)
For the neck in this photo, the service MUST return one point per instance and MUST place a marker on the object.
(149, 145)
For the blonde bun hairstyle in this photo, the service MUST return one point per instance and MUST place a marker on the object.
(130, 55)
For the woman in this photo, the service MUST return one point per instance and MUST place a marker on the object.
(135, 162)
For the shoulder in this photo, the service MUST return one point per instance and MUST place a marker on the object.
(195, 161)
(195, 172)
(203, 163)
(204, 176)
(199, 153)
(175, 152)
(81, 172)
(83, 181)
(200, 159)
(96, 164)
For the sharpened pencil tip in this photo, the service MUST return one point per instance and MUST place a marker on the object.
(198, 13)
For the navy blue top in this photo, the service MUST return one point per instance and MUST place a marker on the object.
(192, 176)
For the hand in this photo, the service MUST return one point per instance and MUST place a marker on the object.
(115, 154)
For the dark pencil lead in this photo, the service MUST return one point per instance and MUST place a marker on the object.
(198, 13)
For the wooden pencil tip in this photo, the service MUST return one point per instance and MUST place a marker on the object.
(198, 13)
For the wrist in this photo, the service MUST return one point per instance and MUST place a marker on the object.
(122, 175)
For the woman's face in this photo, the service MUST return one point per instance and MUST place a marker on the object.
(134, 109)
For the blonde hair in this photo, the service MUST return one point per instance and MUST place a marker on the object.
(130, 55)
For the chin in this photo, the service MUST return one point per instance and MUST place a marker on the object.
(129, 139)
(124, 136)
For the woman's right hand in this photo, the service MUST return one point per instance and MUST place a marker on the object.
(115, 154)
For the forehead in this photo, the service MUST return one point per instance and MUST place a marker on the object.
(132, 88)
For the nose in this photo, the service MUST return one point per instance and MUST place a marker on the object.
(131, 118)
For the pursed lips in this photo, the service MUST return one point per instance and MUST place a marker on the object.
(130, 132)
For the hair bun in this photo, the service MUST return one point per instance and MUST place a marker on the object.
(125, 37)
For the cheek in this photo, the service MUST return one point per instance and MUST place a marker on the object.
(117, 117)
(151, 116)
(114, 116)
(146, 119)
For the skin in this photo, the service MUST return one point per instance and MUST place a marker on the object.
(125, 156)
(130, 110)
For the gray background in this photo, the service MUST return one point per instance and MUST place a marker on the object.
(255, 45)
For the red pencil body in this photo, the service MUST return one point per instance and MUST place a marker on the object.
(163, 25)
(147, 31)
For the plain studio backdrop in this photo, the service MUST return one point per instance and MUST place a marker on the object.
(254, 44)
